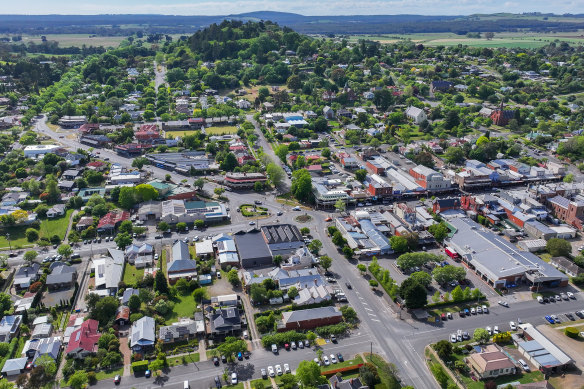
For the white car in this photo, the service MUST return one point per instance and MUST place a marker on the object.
(473, 311)
(271, 372)
(453, 338)
(325, 360)
(479, 310)
(513, 326)
(503, 303)
(496, 330)
(449, 315)
(556, 319)
(571, 295)
(317, 361)
(489, 330)
(333, 358)
(286, 368)
(278, 369)
(155, 256)
(233, 378)
(485, 309)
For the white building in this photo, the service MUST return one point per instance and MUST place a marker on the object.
(416, 114)
(35, 151)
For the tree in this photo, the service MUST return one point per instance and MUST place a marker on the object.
(219, 191)
(558, 247)
(282, 152)
(32, 235)
(160, 283)
(199, 223)
(338, 239)
(229, 162)
(277, 260)
(315, 246)
(231, 346)
(454, 155)
(340, 205)
(140, 162)
(443, 349)
(126, 227)
(448, 273)
(163, 226)
(127, 198)
(105, 310)
(30, 256)
(308, 373)
(422, 278)
(123, 240)
(326, 153)
(181, 226)
(481, 335)
(199, 294)
(399, 244)
(302, 185)
(233, 277)
(276, 174)
(360, 174)
(134, 303)
(199, 183)
(78, 379)
(145, 192)
(489, 35)
(569, 178)
(457, 294)
(292, 292)
(349, 314)
(326, 262)
(348, 252)
(65, 250)
(439, 231)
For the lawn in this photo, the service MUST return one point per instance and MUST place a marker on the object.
(184, 306)
(238, 386)
(386, 379)
(176, 361)
(105, 374)
(221, 130)
(132, 275)
(163, 261)
(265, 382)
(181, 134)
(77, 40)
(350, 362)
(57, 226)
(17, 237)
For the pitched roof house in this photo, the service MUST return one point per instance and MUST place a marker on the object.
(225, 321)
(9, 327)
(83, 341)
(142, 334)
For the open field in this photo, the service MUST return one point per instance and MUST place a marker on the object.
(76, 40)
(528, 40)
(221, 130)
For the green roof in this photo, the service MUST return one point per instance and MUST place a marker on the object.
(159, 185)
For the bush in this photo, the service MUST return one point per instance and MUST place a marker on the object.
(571, 332)
(91, 378)
(333, 329)
(373, 283)
(139, 366)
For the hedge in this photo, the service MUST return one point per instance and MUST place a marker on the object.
(333, 329)
(342, 370)
(139, 366)
(389, 286)
(452, 302)
(571, 332)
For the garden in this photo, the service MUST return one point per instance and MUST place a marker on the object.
(249, 210)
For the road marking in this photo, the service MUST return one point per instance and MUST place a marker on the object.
(376, 320)
(372, 314)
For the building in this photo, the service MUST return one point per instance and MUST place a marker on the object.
(244, 180)
(35, 348)
(184, 330)
(108, 272)
(501, 117)
(417, 115)
(429, 179)
(565, 265)
(204, 249)
(225, 321)
(440, 86)
(309, 318)
(83, 341)
(327, 195)
(112, 220)
(282, 239)
(538, 230)
(122, 315)
(540, 351)
(471, 178)
(328, 113)
(142, 334)
(26, 275)
(253, 248)
(490, 363)
(62, 276)
(42, 331)
(445, 204)
(181, 266)
(337, 382)
(378, 187)
(34, 151)
(378, 164)
(14, 366)
(498, 262)
(349, 162)
(572, 212)
(72, 121)
(9, 327)
(139, 255)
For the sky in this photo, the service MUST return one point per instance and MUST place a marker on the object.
(304, 7)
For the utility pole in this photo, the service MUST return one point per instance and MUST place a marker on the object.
(9, 244)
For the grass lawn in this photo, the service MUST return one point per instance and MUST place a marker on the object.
(66, 321)
(431, 361)
(350, 362)
(238, 386)
(193, 251)
(221, 130)
(163, 261)
(181, 133)
(17, 237)
(132, 275)
(56, 226)
(184, 306)
(265, 382)
(386, 379)
(176, 361)
(105, 374)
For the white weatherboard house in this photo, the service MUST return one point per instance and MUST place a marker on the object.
(416, 114)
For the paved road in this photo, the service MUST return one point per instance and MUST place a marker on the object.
(159, 75)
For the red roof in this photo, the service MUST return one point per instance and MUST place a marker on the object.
(96, 164)
(314, 168)
(85, 337)
(196, 120)
(245, 159)
(149, 127)
(147, 134)
(113, 218)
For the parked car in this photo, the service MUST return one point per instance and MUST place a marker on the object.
(279, 370)
(233, 378)
(473, 311)
(293, 344)
(496, 330)
(443, 317)
(240, 356)
(564, 296)
(540, 299)
(479, 309)
(555, 318)
(524, 365)
(301, 344)
(317, 361)
(333, 358)
(333, 339)
(325, 360)
(340, 357)
(216, 361)
(558, 298)
(571, 295)
(449, 315)
(306, 343)
(287, 346)
(286, 368)
(275, 349)
(453, 338)
(570, 316)
(489, 330)
(223, 359)
(117, 379)
(513, 326)
(271, 371)
(549, 319)
(264, 374)
(503, 303)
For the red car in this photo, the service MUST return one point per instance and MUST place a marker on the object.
(443, 317)
(287, 346)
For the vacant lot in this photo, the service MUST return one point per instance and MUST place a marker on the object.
(56, 226)
(221, 130)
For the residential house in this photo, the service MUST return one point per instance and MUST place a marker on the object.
(14, 366)
(185, 329)
(83, 341)
(14, 198)
(225, 321)
(338, 382)
(35, 348)
(108, 272)
(567, 266)
(56, 211)
(181, 266)
(490, 363)
(139, 255)
(9, 327)
(572, 212)
(417, 115)
(328, 113)
(42, 331)
(26, 275)
(129, 292)
(84, 222)
(204, 249)
(142, 334)
(122, 315)
(61, 277)
(440, 86)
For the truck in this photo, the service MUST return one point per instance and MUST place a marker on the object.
(451, 253)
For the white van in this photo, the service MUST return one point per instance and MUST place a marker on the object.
(186, 385)
(523, 365)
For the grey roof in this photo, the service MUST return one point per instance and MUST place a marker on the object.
(281, 233)
(27, 271)
(129, 293)
(61, 274)
(225, 319)
(176, 330)
(14, 364)
(10, 324)
(182, 265)
(310, 314)
(143, 332)
(180, 250)
(251, 245)
(494, 256)
(542, 349)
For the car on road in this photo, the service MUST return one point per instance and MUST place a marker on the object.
(296, 208)
(325, 360)
(503, 303)
(279, 370)
(549, 319)
(216, 361)
(328, 219)
(274, 348)
(286, 368)
(156, 256)
(279, 213)
(524, 365)
(251, 223)
(453, 338)
(348, 285)
(117, 379)
(147, 373)
(271, 371)
(233, 378)
(513, 326)
(264, 374)
(571, 295)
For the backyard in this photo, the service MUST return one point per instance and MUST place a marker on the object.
(132, 275)
(48, 228)
(184, 306)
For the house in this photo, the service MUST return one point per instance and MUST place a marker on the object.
(181, 266)
(84, 222)
(253, 249)
(142, 334)
(225, 321)
(328, 113)
(62, 277)
(41, 331)
(184, 330)
(310, 318)
(139, 255)
(9, 327)
(490, 363)
(35, 348)
(108, 272)
(338, 382)
(96, 166)
(567, 266)
(14, 366)
(83, 341)
(129, 292)
(71, 174)
(112, 220)
(417, 115)
(204, 249)
(122, 315)
(56, 211)
(440, 86)
(14, 198)
(26, 275)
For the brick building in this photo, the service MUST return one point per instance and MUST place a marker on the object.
(310, 318)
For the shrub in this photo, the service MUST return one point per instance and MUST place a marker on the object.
(571, 332)
(373, 283)
(91, 378)
(139, 366)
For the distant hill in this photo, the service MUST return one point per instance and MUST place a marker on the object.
(351, 24)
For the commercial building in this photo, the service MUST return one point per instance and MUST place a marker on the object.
(243, 180)
(183, 162)
(540, 351)
(309, 318)
(327, 193)
(498, 262)
(378, 164)
(34, 151)
(72, 121)
(378, 187)
(572, 212)
(429, 179)
(282, 239)
(253, 249)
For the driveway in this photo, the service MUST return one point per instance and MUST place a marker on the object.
(127, 354)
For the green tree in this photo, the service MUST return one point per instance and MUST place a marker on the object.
(123, 240)
(163, 226)
(233, 277)
(105, 310)
(30, 256)
(558, 247)
(326, 262)
(78, 380)
(134, 303)
(439, 231)
(308, 373)
(326, 152)
(231, 346)
(199, 183)
(315, 246)
(182, 226)
(275, 173)
(292, 292)
(126, 227)
(145, 192)
(454, 155)
(443, 349)
(229, 162)
(348, 252)
(277, 260)
(569, 178)
(282, 152)
(399, 244)
(349, 314)
(199, 223)
(127, 198)
(65, 250)
(338, 239)
(200, 294)
(448, 273)
(302, 185)
(481, 335)
(360, 174)
(160, 283)
(457, 294)
(340, 205)
(422, 278)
